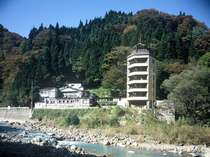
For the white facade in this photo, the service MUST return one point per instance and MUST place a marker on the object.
(48, 93)
(53, 103)
(140, 78)
(72, 90)
(72, 97)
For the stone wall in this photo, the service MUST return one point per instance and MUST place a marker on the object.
(15, 113)
(165, 111)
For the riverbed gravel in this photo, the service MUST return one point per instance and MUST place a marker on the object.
(96, 136)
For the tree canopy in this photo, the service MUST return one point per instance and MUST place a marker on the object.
(53, 55)
(190, 92)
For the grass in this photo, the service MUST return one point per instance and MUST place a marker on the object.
(88, 118)
(115, 120)
(100, 92)
(178, 132)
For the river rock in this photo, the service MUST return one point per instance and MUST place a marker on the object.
(36, 140)
(195, 155)
(52, 142)
(73, 147)
(106, 142)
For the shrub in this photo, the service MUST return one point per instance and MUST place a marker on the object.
(132, 131)
(93, 122)
(117, 111)
(190, 92)
(72, 119)
(205, 60)
(113, 121)
(148, 118)
(99, 118)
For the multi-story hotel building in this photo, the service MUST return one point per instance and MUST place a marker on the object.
(140, 77)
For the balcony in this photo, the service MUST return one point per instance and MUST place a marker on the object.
(138, 65)
(137, 81)
(137, 98)
(138, 73)
(130, 90)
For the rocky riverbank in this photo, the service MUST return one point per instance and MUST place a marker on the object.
(95, 136)
(22, 140)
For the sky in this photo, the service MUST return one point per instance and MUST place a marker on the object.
(21, 16)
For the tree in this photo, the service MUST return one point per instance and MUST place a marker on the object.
(114, 68)
(88, 53)
(205, 60)
(115, 78)
(190, 92)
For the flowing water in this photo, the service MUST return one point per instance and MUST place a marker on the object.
(113, 151)
(117, 151)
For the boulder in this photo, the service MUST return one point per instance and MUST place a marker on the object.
(73, 147)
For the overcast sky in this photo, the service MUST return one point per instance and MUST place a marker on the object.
(21, 15)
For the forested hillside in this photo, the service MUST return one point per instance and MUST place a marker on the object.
(94, 52)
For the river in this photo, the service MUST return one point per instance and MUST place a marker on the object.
(112, 151)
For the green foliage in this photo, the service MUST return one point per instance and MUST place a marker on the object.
(190, 92)
(148, 118)
(118, 111)
(113, 121)
(90, 118)
(94, 53)
(161, 75)
(205, 60)
(128, 121)
(100, 118)
(70, 119)
(101, 92)
(114, 68)
(179, 132)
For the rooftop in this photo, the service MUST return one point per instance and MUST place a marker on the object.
(139, 49)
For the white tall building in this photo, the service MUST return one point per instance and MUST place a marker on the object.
(140, 78)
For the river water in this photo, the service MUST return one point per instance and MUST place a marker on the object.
(117, 151)
(113, 151)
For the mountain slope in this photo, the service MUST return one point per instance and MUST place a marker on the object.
(54, 55)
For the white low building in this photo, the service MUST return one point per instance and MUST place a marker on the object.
(72, 90)
(70, 95)
(48, 93)
(53, 103)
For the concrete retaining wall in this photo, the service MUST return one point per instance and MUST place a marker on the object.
(15, 113)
